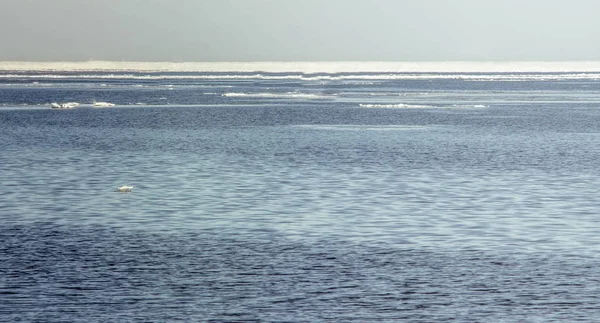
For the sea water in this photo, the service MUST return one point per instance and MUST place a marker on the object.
(300, 193)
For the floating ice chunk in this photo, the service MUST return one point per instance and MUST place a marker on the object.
(70, 105)
(124, 188)
(67, 105)
(103, 104)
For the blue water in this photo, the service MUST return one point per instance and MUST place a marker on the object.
(292, 198)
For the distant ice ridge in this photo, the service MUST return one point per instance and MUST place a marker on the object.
(309, 67)
(350, 78)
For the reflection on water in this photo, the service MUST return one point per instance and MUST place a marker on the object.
(99, 273)
(434, 186)
(282, 210)
(431, 207)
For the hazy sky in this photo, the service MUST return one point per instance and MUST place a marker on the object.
(299, 30)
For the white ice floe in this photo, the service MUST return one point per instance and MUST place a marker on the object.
(67, 105)
(124, 188)
(103, 104)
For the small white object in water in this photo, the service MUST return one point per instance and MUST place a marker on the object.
(124, 188)
(67, 105)
(103, 104)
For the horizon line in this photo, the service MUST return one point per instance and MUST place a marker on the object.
(307, 66)
(300, 61)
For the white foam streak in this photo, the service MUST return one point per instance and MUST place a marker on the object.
(288, 95)
(420, 106)
(399, 105)
(365, 127)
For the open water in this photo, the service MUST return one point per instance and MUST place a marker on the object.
(291, 197)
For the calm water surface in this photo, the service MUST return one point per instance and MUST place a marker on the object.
(285, 198)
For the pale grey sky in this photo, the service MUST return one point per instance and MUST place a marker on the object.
(299, 30)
